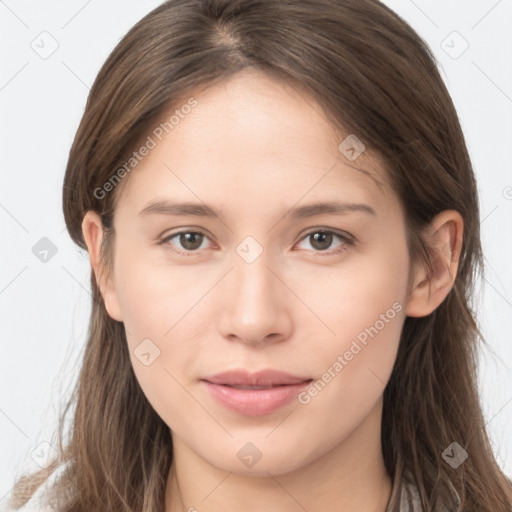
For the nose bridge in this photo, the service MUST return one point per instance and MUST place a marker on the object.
(254, 280)
(256, 307)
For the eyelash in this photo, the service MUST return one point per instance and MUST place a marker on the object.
(347, 240)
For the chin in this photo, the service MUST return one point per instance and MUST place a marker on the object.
(259, 458)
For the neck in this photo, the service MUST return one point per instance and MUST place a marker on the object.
(350, 477)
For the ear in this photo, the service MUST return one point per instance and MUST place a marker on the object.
(444, 241)
(92, 229)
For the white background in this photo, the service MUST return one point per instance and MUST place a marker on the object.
(45, 307)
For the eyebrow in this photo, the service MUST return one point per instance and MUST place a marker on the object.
(164, 207)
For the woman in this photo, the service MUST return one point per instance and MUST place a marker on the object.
(282, 223)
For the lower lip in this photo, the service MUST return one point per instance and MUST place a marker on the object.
(255, 402)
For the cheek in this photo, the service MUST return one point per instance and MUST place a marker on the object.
(365, 290)
(363, 306)
(161, 325)
(154, 296)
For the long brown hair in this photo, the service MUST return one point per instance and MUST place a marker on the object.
(373, 76)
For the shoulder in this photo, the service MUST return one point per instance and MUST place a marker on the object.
(37, 503)
(40, 500)
(410, 499)
(33, 506)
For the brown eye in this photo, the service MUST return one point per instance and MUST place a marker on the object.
(190, 241)
(322, 241)
(186, 241)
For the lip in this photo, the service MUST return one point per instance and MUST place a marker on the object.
(271, 389)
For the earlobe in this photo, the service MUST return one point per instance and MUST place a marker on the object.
(92, 229)
(444, 241)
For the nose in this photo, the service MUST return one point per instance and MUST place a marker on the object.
(255, 307)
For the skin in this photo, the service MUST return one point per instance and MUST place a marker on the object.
(256, 148)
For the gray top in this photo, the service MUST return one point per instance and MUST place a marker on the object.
(410, 499)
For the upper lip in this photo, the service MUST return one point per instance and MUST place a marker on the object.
(261, 378)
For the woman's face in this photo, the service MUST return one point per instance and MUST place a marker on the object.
(268, 282)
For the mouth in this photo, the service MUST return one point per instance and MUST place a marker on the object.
(254, 394)
(253, 387)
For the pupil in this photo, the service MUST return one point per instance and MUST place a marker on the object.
(324, 239)
(189, 241)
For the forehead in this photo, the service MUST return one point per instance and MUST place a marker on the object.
(251, 136)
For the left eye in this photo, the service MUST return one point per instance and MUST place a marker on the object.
(322, 240)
